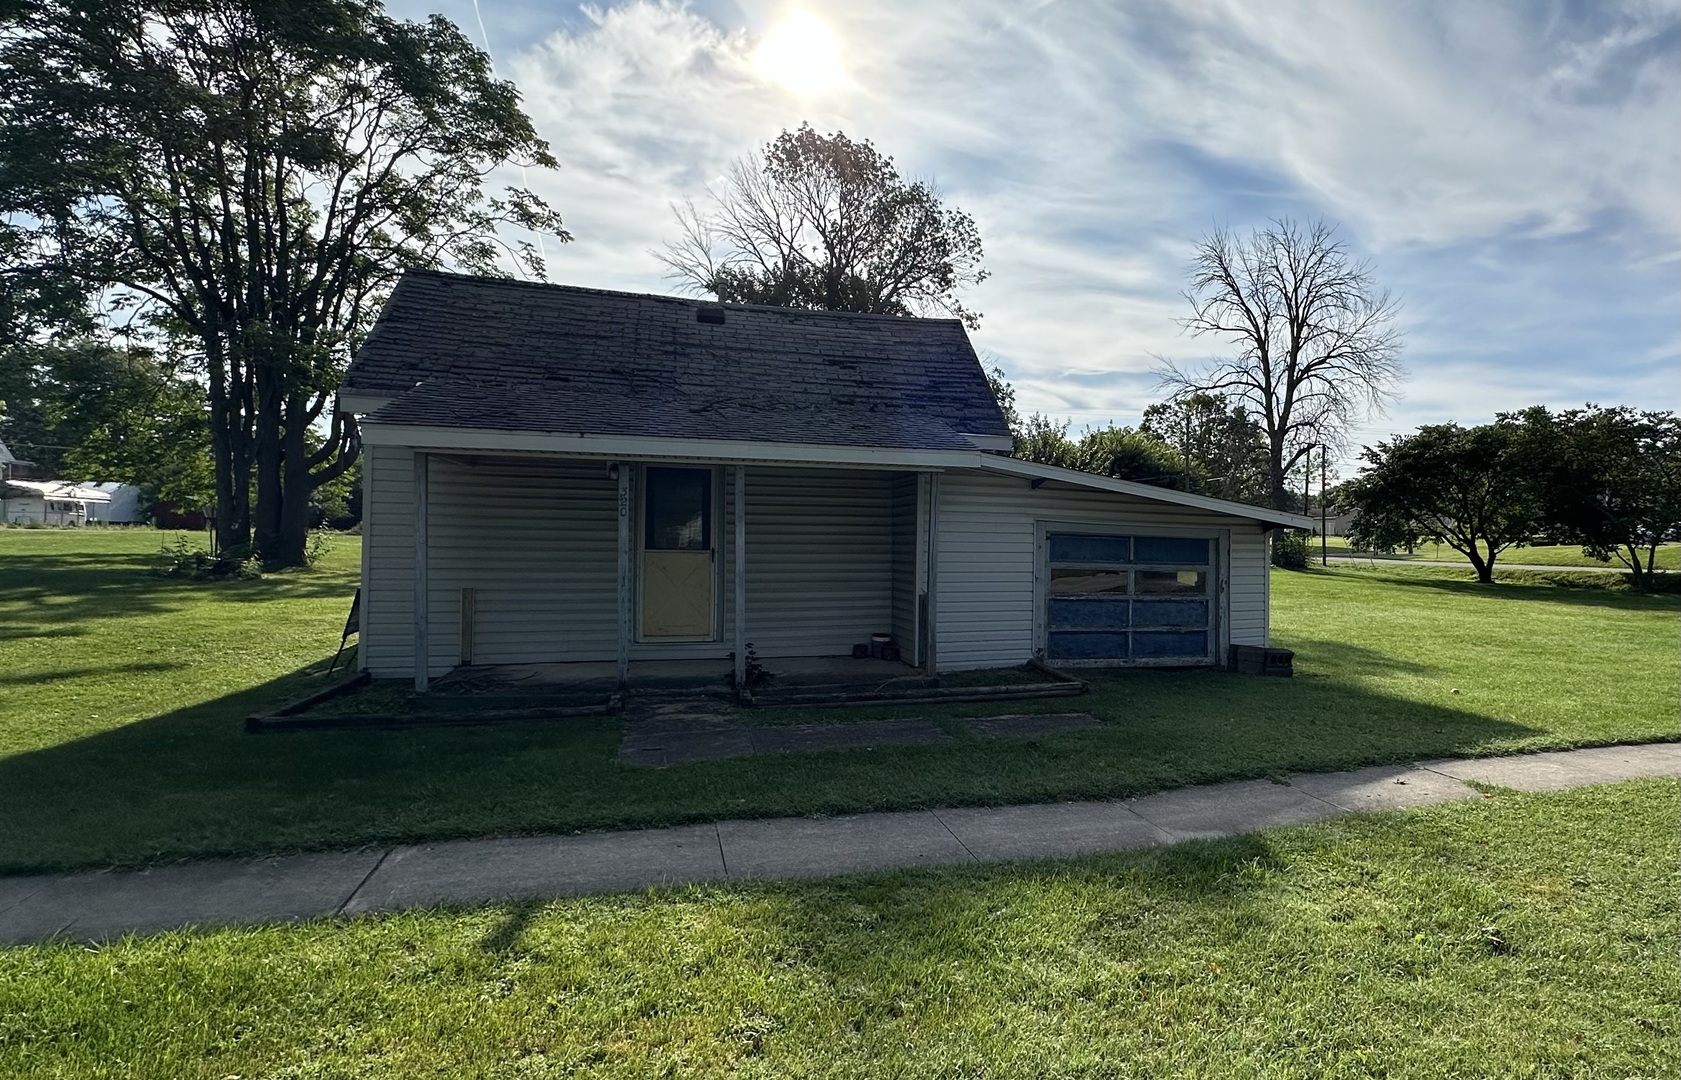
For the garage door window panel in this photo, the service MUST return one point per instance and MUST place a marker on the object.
(1128, 597)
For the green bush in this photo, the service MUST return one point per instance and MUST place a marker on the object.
(1289, 549)
(182, 558)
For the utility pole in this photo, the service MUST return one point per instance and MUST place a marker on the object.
(1324, 515)
(1307, 482)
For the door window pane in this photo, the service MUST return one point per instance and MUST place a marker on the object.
(1073, 548)
(1167, 582)
(1086, 612)
(1087, 646)
(1084, 582)
(1170, 612)
(678, 513)
(1170, 549)
(1166, 644)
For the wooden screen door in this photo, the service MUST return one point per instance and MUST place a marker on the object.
(677, 574)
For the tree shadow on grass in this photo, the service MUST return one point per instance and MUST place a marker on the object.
(42, 678)
(191, 783)
(50, 595)
(1585, 596)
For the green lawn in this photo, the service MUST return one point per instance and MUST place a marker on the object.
(1669, 555)
(1517, 936)
(122, 698)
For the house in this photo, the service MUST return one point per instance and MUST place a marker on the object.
(558, 474)
(51, 502)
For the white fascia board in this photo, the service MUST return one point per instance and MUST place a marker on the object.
(1032, 470)
(644, 448)
(352, 401)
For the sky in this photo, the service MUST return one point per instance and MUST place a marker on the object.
(1512, 172)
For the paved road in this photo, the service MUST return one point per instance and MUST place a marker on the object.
(107, 904)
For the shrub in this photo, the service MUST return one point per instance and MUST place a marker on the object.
(1289, 549)
(181, 558)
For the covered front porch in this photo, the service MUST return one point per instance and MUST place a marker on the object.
(652, 573)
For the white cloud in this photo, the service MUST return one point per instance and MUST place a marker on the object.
(1095, 142)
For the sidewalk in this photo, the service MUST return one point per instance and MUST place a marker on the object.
(107, 904)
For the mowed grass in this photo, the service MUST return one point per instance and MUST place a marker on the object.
(1568, 555)
(1515, 936)
(123, 696)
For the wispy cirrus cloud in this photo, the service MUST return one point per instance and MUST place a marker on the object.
(1511, 171)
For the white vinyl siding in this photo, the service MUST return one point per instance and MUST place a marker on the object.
(387, 638)
(537, 541)
(988, 561)
(820, 560)
(832, 557)
(905, 534)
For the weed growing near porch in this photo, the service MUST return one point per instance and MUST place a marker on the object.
(123, 695)
(1524, 935)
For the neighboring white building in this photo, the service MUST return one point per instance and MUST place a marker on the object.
(124, 507)
(52, 502)
(557, 474)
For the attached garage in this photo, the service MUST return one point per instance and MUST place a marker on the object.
(1088, 571)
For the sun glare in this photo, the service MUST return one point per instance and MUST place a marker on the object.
(801, 53)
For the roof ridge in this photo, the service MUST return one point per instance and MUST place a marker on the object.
(491, 279)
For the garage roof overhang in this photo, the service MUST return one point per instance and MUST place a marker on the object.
(1033, 471)
(733, 451)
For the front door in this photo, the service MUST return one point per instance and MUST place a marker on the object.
(677, 569)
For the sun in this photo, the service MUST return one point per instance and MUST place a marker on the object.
(801, 53)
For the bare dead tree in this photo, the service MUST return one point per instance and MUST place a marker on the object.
(821, 221)
(1316, 341)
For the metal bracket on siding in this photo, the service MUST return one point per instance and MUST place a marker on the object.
(469, 602)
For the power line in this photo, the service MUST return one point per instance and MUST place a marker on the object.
(524, 178)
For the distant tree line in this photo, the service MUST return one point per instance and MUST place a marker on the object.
(1200, 443)
(1608, 479)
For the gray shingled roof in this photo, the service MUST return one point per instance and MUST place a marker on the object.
(458, 351)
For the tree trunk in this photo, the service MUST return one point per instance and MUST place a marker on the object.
(1641, 572)
(293, 539)
(231, 516)
(1278, 484)
(1485, 570)
(270, 455)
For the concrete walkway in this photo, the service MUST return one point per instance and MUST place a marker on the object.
(107, 904)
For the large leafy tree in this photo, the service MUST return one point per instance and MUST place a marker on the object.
(1616, 482)
(1315, 346)
(248, 178)
(1222, 444)
(1479, 490)
(821, 221)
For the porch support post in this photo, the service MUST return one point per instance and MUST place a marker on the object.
(739, 551)
(422, 586)
(625, 521)
(931, 635)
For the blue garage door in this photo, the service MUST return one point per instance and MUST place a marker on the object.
(1131, 598)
